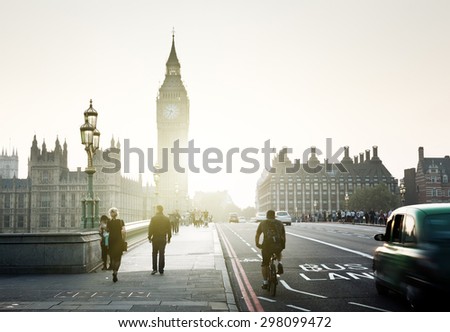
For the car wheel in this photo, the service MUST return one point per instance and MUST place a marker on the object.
(382, 290)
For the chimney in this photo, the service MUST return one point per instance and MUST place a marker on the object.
(420, 153)
(346, 159)
(355, 158)
(313, 161)
(367, 155)
(375, 154)
(361, 157)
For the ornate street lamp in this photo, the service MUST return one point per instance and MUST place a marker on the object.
(402, 192)
(315, 210)
(90, 138)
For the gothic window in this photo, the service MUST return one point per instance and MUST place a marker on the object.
(44, 221)
(20, 221)
(7, 201)
(6, 221)
(45, 200)
(63, 200)
(45, 177)
(21, 203)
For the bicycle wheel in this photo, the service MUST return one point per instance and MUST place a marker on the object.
(272, 279)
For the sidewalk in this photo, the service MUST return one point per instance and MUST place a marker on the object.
(195, 279)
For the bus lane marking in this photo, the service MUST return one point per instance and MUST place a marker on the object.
(284, 283)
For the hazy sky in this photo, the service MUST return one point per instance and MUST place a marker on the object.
(362, 73)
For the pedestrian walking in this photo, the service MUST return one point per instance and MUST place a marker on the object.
(159, 234)
(117, 237)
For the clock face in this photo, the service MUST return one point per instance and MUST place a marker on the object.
(170, 111)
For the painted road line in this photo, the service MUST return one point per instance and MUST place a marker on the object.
(368, 306)
(249, 295)
(284, 283)
(297, 308)
(333, 245)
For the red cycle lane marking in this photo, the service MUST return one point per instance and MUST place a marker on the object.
(241, 278)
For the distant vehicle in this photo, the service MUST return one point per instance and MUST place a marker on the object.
(242, 219)
(260, 216)
(233, 217)
(284, 217)
(414, 259)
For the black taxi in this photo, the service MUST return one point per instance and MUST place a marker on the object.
(414, 259)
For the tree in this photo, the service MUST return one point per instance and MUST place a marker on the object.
(373, 198)
(249, 212)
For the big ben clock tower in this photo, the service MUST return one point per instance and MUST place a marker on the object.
(172, 117)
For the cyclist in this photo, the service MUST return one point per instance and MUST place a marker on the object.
(269, 246)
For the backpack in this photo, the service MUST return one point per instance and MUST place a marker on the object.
(273, 235)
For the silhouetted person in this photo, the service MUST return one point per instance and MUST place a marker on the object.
(117, 235)
(274, 241)
(159, 234)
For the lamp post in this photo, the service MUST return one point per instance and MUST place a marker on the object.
(90, 138)
(402, 192)
(315, 210)
(346, 198)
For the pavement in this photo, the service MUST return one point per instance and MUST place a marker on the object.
(195, 280)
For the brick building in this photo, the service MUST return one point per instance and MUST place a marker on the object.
(429, 183)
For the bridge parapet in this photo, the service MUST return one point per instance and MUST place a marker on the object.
(75, 252)
(137, 231)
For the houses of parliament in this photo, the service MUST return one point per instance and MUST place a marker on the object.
(50, 198)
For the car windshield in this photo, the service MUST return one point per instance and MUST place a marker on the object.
(282, 214)
(438, 227)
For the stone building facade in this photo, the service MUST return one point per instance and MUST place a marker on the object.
(313, 187)
(9, 164)
(50, 198)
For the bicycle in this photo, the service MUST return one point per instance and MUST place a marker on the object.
(273, 279)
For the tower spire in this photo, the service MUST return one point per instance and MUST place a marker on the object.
(172, 64)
